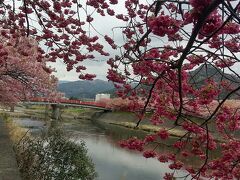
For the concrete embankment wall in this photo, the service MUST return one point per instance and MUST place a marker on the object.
(114, 116)
(129, 120)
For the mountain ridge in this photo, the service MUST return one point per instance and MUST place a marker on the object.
(88, 89)
(84, 89)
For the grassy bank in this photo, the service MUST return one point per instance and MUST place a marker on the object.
(150, 128)
(16, 133)
(129, 120)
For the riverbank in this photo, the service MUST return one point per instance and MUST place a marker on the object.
(111, 161)
(30, 143)
(129, 120)
(102, 131)
(123, 119)
(70, 116)
(8, 165)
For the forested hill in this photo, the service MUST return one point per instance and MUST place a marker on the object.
(84, 89)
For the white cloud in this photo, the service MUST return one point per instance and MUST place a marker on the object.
(93, 67)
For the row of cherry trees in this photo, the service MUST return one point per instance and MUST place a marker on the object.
(22, 75)
(162, 41)
(23, 67)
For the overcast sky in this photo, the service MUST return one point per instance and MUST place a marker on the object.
(99, 66)
(93, 67)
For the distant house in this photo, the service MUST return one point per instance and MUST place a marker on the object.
(102, 96)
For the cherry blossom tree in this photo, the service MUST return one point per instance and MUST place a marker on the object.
(117, 104)
(163, 41)
(57, 25)
(21, 75)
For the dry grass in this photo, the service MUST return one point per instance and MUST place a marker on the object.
(150, 128)
(16, 133)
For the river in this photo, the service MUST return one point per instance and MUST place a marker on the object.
(111, 161)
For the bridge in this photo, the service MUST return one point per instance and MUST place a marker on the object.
(57, 103)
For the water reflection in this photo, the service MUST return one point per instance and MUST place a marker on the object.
(114, 163)
(29, 123)
(111, 162)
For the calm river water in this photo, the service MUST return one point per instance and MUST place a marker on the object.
(111, 161)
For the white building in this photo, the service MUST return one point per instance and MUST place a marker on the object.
(102, 96)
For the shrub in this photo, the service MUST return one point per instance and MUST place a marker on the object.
(53, 156)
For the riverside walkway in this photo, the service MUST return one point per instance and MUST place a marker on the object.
(8, 164)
